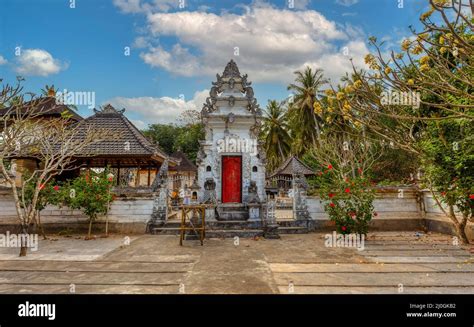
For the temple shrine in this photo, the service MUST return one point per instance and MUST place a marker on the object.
(231, 163)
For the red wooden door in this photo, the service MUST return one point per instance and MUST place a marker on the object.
(231, 179)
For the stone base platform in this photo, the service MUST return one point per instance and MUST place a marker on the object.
(232, 212)
(232, 228)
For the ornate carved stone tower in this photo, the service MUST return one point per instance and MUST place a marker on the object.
(231, 164)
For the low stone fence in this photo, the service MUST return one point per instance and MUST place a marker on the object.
(398, 208)
(128, 214)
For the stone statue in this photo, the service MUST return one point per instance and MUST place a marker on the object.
(253, 193)
(210, 191)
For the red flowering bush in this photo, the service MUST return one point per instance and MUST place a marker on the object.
(48, 192)
(91, 193)
(348, 202)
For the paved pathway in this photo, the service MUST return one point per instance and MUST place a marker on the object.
(391, 263)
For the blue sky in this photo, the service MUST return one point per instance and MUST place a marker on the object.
(175, 51)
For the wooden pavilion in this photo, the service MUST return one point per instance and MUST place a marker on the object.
(282, 177)
(133, 159)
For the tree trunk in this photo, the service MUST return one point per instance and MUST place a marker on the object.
(460, 226)
(462, 229)
(107, 225)
(107, 213)
(90, 228)
(23, 245)
(40, 226)
(462, 233)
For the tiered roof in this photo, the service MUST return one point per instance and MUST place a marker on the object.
(126, 144)
(292, 166)
(43, 107)
(184, 165)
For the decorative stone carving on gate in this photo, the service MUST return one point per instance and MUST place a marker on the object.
(300, 206)
(253, 193)
(270, 225)
(210, 196)
(160, 195)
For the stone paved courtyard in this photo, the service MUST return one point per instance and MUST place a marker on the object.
(427, 263)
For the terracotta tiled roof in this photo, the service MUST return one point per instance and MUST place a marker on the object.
(45, 107)
(292, 166)
(184, 163)
(127, 140)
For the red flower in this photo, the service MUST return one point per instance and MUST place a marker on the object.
(320, 173)
(443, 193)
(56, 188)
(332, 205)
(331, 195)
(359, 170)
(111, 179)
(329, 166)
(471, 196)
(343, 228)
(41, 186)
(347, 190)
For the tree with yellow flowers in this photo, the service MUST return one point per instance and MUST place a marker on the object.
(421, 99)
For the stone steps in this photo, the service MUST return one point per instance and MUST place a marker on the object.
(292, 230)
(233, 215)
(230, 233)
(232, 228)
(232, 212)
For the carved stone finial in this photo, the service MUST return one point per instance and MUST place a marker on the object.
(231, 70)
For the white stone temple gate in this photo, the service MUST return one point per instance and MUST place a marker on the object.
(231, 164)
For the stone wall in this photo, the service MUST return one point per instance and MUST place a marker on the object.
(128, 214)
(406, 210)
(436, 220)
(397, 209)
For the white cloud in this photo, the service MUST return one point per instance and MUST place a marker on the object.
(138, 6)
(347, 3)
(335, 65)
(128, 6)
(179, 59)
(3, 61)
(301, 4)
(140, 124)
(141, 42)
(162, 110)
(272, 42)
(38, 62)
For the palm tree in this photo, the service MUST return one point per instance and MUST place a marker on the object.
(305, 124)
(275, 134)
